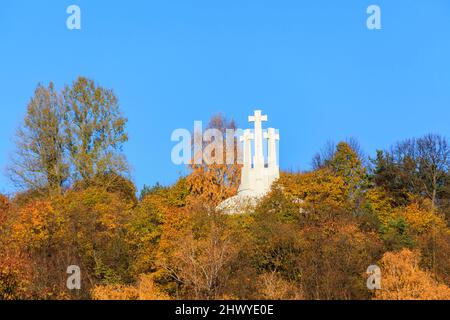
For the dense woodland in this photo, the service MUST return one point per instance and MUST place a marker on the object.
(312, 237)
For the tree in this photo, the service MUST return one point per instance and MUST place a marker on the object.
(347, 164)
(197, 254)
(392, 178)
(38, 233)
(145, 290)
(272, 286)
(4, 207)
(15, 274)
(319, 258)
(15, 266)
(333, 258)
(39, 162)
(213, 183)
(144, 228)
(435, 248)
(403, 279)
(95, 130)
(146, 190)
(345, 160)
(326, 154)
(417, 166)
(95, 231)
(433, 153)
(319, 194)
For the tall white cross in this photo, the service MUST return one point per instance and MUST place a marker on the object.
(258, 118)
(245, 138)
(272, 136)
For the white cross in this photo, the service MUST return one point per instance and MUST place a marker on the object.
(272, 136)
(258, 118)
(246, 137)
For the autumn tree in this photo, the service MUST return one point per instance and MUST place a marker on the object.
(316, 250)
(271, 286)
(145, 226)
(345, 161)
(16, 274)
(334, 256)
(146, 289)
(95, 230)
(403, 279)
(95, 130)
(15, 266)
(433, 153)
(197, 254)
(317, 194)
(347, 164)
(77, 134)
(86, 227)
(415, 166)
(434, 246)
(402, 226)
(35, 239)
(217, 181)
(4, 207)
(39, 162)
(326, 154)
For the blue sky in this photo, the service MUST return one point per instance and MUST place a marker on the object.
(312, 66)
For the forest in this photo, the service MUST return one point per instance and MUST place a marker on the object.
(312, 237)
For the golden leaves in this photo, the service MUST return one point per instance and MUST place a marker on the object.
(38, 224)
(403, 279)
(319, 190)
(145, 290)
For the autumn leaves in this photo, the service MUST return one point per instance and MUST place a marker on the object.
(69, 137)
(312, 237)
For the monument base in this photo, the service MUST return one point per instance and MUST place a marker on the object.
(239, 204)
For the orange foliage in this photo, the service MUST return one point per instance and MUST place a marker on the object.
(38, 224)
(421, 217)
(272, 287)
(213, 183)
(320, 190)
(380, 204)
(114, 292)
(4, 207)
(145, 290)
(402, 279)
(15, 275)
(196, 253)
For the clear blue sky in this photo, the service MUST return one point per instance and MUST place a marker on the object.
(312, 66)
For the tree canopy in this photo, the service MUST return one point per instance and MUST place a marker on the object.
(312, 237)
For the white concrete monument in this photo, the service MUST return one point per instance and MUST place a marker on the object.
(257, 174)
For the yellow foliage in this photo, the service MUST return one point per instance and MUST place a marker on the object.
(320, 190)
(402, 279)
(146, 290)
(114, 292)
(4, 207)
(213, 183)
(196, 249)
(272, 287)
(4, 203)
(421, 218)
(15, 275)
(380, 204)
(38, 224)
(419, 214)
